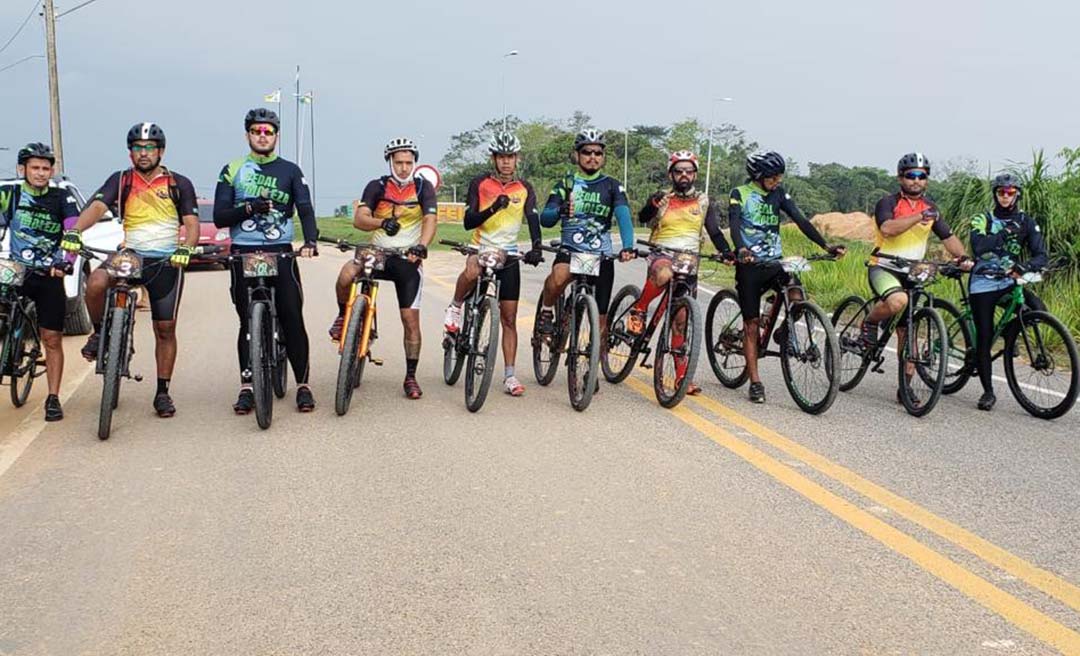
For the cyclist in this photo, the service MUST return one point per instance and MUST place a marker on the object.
(998, 240)
(904, 223)
(595, 200)
(151, 202)
(497, 203)
(676, 217)
(400, 209)
(35, 215)
(256, 198)
(754, 216)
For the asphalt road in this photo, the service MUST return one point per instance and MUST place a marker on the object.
(528, 528)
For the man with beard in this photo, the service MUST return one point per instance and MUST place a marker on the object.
(255, 199)
(151, 203)
(676, 217)
(400, 209)
(35, 215)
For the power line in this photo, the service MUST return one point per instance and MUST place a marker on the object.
(75, 8)
(13, 65)
(25, 21)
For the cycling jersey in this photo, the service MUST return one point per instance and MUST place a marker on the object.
(276, 179)
(596, 199)
(754, 217)
(910, 244)
(150, 215)
(676, 221)
(36, 221)
(407, 204)
(500, 229)
(997, 250)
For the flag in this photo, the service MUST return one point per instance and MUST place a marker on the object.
(308, 97)
(273, 97)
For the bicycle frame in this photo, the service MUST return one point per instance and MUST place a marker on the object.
(1013, 309)
(362, 285)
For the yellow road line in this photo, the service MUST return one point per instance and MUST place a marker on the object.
(1035, 576)
(986, 594)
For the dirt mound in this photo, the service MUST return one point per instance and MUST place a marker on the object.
(855, 226)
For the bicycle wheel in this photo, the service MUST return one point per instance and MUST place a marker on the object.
(847, 320)
(349, 361)
(583, 353)
(483, 351)
(1041, 364)
(114, 365)
(546, 351)
(810, 358)
(677, 354)
(23, 358)
(453, 360)
(619, 353)
(960, 364)
(724, 339)
(260, 341)
(280, 374)
(923, 356)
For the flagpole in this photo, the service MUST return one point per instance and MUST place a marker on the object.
(299, 123)
(311, 115)
(300, 150)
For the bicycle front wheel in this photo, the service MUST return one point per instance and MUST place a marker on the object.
(114, 366)
(810, 358)
(961, 361)
(847, 321)
(349, 362)
(1041, 365)
(619, 354)
(583, 353)
(677, 352)
(483, 351)
(23, 359)
(724, 339)
(260, 345)
(923, 355)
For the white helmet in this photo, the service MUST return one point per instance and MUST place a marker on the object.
(400, 144)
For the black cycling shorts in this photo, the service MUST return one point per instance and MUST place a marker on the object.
(509, 278)
(751, 282)
(604, 282)
(49, 298)
(408, 279)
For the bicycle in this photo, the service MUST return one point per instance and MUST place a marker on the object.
(577, 328)
(1046, 346)
(475, 346)
(361, 324)
(20, 337)
(923, 353)
(679, 318)
(266, 342)
(808, 348)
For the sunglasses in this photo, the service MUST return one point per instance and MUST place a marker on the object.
(678, 170)
(1008, 192)
(915, 175)
(141, 148)
(591, 153)
(262, 131)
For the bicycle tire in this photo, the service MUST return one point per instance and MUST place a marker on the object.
(691, 345)
(854, 363)
(1044, 360)
(453, 362)
(481, 358)
(581, 385)
(725, 349)
(934, 354)
(348, 362)
(960, 364)
(546, 351)
(114, 365)
(821, 354)
(627, 296)
(22, 360)
(259, 342)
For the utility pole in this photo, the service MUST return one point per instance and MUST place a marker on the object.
(54, 85)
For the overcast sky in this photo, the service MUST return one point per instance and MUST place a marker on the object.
(855, 82)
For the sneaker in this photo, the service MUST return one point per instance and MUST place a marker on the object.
(452, 319)
(305, 402)
(546, 324)
(757, 393)
(90, 349)
(513, 386)
(163, 405)
(635, 322)
(336, 328)
(987, 401)
(245, 403)
(412, 388)
(693, 389)
(53, 411)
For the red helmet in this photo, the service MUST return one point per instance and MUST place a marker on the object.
(682, 156)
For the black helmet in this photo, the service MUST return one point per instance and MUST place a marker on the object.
(1006, 180)
(913, 161)
(146, 132)
(261, 115)
(504, 143)
(36, 150)
(765, 165)
(588, 137)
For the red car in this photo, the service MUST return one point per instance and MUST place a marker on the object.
(209, 234)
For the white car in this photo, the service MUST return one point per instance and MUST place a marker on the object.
(107, 234)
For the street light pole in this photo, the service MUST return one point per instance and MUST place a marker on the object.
(712, 126)
(512, 53)
(54, 86)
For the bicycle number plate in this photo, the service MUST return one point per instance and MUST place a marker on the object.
(922, 272)
(370, 258)
(585, 264)
(685, 264)
(1029, 278)
(491, 258)
(795, 264)
(123, 264)
(259, 265)
(12, 273)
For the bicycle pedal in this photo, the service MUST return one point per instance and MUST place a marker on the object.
(376, 361)
(137, 378)
(646, 365)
